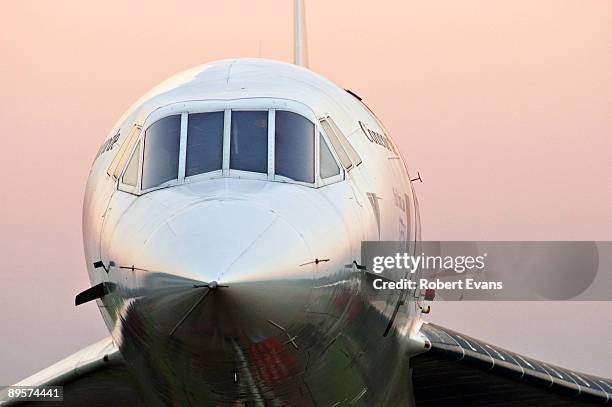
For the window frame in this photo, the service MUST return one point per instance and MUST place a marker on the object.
(228, 106)
(234, 173)
(181, 158)
(124, 151)
(343, 143)
(272, 145)
(334, 178)
(183, 151)
(132, 189)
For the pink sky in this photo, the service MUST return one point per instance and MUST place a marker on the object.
(505, 108)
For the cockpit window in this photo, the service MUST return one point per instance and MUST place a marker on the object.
(294, 146)
(118, 163)
(264, 144)
(327, 163)
(161, 152)
(249, 141)
(204, 143)
(130, 176)
(344, 158)
(347, 154)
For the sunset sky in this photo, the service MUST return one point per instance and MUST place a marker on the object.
(504, 107)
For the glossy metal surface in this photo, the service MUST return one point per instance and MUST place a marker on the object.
(245, 314)
(242, 290)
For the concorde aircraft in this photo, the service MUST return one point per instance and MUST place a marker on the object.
(222, 223)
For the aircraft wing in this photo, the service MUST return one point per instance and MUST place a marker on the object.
(96, 373)
(457, 370)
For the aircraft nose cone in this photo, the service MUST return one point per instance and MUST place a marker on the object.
(247, 262)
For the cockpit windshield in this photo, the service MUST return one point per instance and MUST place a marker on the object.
(249, 141)
(272, 144)
(204, 143)
(161, 152)
(294, 147)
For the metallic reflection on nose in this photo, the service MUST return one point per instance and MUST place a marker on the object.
(239, 268)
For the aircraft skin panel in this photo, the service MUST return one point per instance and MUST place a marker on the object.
(460, 370)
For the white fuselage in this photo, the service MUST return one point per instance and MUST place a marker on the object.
(236, 286)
